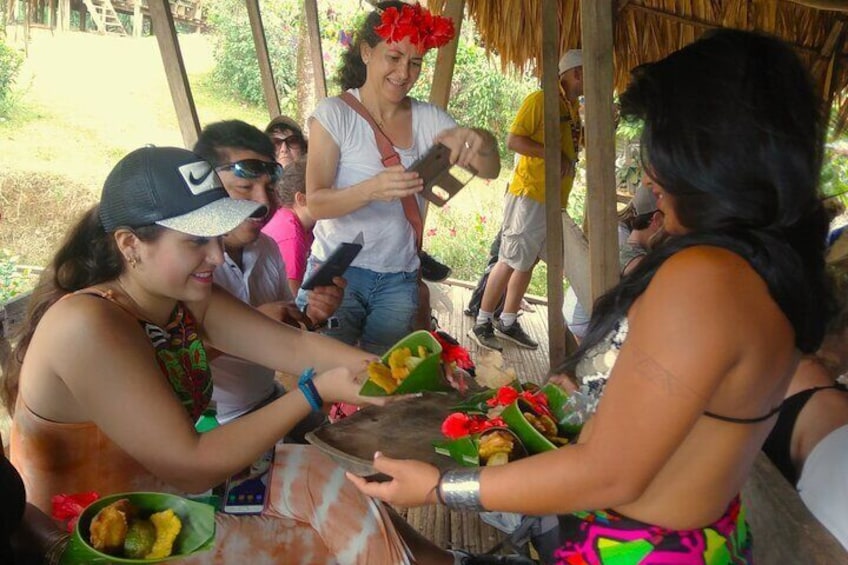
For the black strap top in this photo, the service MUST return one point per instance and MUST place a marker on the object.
(778, 444)
(12, 509)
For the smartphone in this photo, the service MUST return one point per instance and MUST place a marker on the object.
(442, 181)
(247, 491)
(335, 265)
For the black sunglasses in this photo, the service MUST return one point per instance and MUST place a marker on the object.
(254, 168)
(292, 140)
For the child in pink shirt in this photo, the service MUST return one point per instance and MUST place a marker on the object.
(291, 227)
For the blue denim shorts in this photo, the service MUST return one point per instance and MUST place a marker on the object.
(378, 309)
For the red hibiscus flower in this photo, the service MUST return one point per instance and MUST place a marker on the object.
(459, 424)
(70, 506)
(423, 29)
(505, 396)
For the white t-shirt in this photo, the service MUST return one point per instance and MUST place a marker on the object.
(239, 385)
(823, 484)
(389, 239)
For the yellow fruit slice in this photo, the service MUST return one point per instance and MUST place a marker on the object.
(168, 526)
(381, 376)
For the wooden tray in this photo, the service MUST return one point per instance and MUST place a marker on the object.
(405, 430)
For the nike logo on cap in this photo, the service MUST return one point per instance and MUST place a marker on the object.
(199, 177)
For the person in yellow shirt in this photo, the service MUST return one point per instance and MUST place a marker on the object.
(524, 229)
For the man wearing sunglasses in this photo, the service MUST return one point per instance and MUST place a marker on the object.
(253, 270)
(288, 140)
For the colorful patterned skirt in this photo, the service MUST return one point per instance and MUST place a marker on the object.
(605, 537)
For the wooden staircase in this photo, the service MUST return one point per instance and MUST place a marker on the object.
(104, 17)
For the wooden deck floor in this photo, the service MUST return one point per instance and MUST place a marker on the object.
(463, 530)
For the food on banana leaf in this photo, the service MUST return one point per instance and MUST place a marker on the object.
(118, 530)
(401, 362)
(498, 446)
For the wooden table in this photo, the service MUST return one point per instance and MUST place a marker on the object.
(405, 430)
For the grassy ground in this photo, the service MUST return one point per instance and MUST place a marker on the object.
(86, 100)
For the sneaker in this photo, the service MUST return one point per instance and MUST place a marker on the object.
(432, 270)
(516, 334)
(484, 336)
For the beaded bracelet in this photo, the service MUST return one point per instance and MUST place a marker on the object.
(307, 387)
(460, 489)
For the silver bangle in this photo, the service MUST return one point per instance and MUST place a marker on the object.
(460, 489)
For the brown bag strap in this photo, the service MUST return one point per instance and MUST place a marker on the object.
(389, 157)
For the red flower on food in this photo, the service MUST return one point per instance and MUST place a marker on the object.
(460, 424)
(423, 29)
(70, 506)
(505, 396)
(452, 352)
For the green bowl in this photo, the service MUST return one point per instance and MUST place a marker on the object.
(532, 439)
(197, 533)
(428, 376)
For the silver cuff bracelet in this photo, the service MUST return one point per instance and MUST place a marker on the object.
(460, 489)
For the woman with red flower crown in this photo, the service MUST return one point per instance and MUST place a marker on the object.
(351, 189)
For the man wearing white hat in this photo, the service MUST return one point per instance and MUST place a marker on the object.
(524, 226)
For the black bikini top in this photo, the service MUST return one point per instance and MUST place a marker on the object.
(778, 444)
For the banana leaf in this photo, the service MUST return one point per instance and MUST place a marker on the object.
(558, 403)
(427, 376)
(462, 450)
(533, 440)
(197, 533)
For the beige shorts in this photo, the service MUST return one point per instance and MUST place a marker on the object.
(523, 236)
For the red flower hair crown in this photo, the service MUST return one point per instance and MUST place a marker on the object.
(423, 29)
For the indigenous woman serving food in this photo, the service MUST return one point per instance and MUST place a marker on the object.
(354, 185)
(705, 332)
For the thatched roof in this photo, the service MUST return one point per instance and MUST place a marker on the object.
(647, 30)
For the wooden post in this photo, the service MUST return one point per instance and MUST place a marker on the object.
(553, 180)
(83, 10)
(446, 57)
(166, 35)
(316, 53)
(597, 20)
(63, 16)
(138, 19)
(272, 101)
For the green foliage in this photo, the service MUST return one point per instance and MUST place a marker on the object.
(13, 280)
(834, 176)
(237, 71)
(10, 64)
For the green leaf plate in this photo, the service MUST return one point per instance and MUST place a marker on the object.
(557, 402)
(197, 533)
(533, 440)
(426, 377)
(462, 450)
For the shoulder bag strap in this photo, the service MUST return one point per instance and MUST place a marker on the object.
(389, 157)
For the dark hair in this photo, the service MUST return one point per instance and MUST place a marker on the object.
(735, 132)
(352, 72)
(292, 182)
(282, 123)
(88, 256)
(641, 221)
(216, 138)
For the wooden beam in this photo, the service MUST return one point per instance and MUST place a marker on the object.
(708, 25)
(169, 47)
(576, 250)
(316, 53)
(269, 88)
(601, 197)
(446, 57)
(553, 181)
(832, 5)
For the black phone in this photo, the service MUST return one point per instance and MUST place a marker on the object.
(335, 265)
(441, 179)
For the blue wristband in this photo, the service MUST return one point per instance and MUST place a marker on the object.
(307, 387)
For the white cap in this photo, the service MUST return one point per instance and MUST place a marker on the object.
(572, 58)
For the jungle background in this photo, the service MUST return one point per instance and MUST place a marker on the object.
(73, 103)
